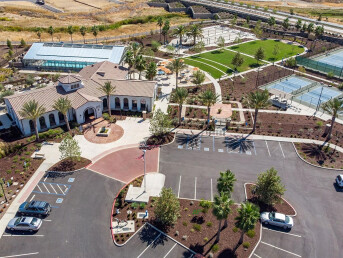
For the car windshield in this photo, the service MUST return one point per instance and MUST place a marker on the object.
(271, 215)
(46, 206)
(34, 221)
(17, 221)
(287, 219)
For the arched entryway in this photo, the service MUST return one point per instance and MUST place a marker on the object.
(52, 120)
(134, 104)
(143, 104)
(89, 114)
(126, 103)
(32, 127)
(42, 123)
(117, 103)
(104, 103)
(61, 117)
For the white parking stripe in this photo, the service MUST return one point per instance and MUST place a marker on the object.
(170, 250)
(281, 232)
(45, 178)
(253, 143)
(211, 191)
(18, 255)
(46, 188)
(178, 193)
(213, 144)
(282, 150)
(48, 220)
(195, 189)
(60, 189)
(53, 188)
(280, 249)
(32, 197)
(268, 149)
(257, 256)
(22, 235)
(148, 246)
(39, 188)
(66, 188)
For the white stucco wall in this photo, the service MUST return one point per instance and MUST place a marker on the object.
(148, 102)
(97, 106)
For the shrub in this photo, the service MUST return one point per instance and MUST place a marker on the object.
(106, 116)
(184, 223)
(134, 205)
(235, 229)
(251, 233)
(205, 239)
(319, 124)
(330, 74)
(246, 245)
(215, 248)
(155, 45)
(197, 227)
(209, 224)
(142, 205)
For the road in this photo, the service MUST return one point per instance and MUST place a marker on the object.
(44, 6)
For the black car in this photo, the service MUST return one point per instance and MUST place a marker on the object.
(35, 208)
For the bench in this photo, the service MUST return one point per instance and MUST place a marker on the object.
(39, 156)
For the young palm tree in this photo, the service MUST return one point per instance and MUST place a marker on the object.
(180, 31)
(51, 32)
(129, 60)
(32, 110)
(83, 31)
(334, 107)
(70, 31)
(136, 49)
(258, 100)
(109, 90)
(151, 71)
(208, 98)
(160, 24)
(195, 31)
(95, 31)
(63, 105)
(165, 31)
(140, 65)
(247, 217)
(221, 210)
(39, 33)
(226, 181)
(179, 96)
(177, 65)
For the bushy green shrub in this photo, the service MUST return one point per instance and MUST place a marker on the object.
(215, 248)
(235, 230)
(209, 224)
(197, 227)
(246, 244)
(251, 233)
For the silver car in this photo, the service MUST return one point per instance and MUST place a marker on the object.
(24, 223)
(277, 219)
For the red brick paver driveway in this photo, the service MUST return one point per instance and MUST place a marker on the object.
(123, 165)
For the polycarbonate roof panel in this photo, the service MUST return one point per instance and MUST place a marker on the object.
(75, 52)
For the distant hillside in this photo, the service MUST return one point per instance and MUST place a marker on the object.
(321, 1)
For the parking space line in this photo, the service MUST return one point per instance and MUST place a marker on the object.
(195, 188)
(211, 191)
(18, 255)
(253, 143)
(257, 256)
(45, 178)
(46, 188)
(61, 189)
(280, 249)
(199, 142)
(53, 188)
(268, 149)
(148, 246)
(48, 220)
(187, 142)
(22, 235)
(282, 150)
(32, 197)
(170, 250)
(178, 193)
(281, 232)
(213, 144)
(39, 188)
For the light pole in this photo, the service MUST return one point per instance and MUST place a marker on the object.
(144, 152)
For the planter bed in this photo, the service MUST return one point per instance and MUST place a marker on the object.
(161, 140)
(197, 113)
(67, 165)
(282, 207)
(194, 92)
(325, 157)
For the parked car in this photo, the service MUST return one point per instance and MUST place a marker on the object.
(277, 219)
(35, 208)
(339, 180)
(30, 224)
(41, 2)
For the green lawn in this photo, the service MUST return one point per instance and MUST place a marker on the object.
(220, 60)
(285, 50)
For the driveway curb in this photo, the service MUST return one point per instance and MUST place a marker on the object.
(313, 165)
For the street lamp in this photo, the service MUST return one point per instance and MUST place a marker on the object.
(144, 152)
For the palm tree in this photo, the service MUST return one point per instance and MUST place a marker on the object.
(136, 49)
(63, 105)
(310, 29)
(221, 210)
(39, 33)
(208, 98)
(70, 30)
(258, 100)
(151, 71)
(160, 24)
(108, 89)
(51, 32)
(32, 110)
(195, 31)
(129, 60)
(248, 215)
(180, 31)
(334, 107)
(165, 31)
(179, 96)
(226, 181)
(83, 31)
(95, 31)
(140, 65)
(177, 65)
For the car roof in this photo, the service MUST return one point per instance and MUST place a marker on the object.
(280, 216)
(26, 219)
(37, 204)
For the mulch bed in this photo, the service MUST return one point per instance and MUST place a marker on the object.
(326, 156)
(160, 140)
(189, 123)
(197, 113)
(194, 92)
(282, 207)
(68, 164)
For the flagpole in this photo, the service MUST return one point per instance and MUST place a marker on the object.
(144, 151)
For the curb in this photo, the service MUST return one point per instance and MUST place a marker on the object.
(65, 172)
(253, 251)
(246, 198)
(313, 165)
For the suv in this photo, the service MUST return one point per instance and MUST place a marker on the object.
(35, 208)
(339, 180)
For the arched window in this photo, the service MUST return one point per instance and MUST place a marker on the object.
(52, 120)
(32, 127)
(143, 104)
(61, 117)
(104, 103)
(126, 103)
(42, 122)
(117, 103)
(134, 104)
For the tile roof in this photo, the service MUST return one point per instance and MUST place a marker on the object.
(70, 78)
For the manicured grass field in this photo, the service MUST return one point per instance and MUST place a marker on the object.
(285, 50)
(220, 60)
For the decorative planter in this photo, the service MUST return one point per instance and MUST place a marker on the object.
(104, 132)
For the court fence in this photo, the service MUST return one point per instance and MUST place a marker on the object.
(320, 66)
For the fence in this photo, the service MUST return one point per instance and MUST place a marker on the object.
(272, 76)
(320, 66)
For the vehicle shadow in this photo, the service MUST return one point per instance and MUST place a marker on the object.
(20, 232)
(275, 228)
(337, 188)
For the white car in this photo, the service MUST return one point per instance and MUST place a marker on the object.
(339, 180)
(277, 219)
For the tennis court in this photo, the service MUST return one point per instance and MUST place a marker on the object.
(333, 58)
(290, 84)
(318, 95)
